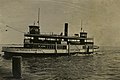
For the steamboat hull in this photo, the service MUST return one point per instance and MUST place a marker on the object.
(10, 52)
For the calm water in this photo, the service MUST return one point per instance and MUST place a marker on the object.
(103, 66)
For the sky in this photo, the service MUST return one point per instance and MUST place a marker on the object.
(100, 18)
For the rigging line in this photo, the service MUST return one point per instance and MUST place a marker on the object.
(14, 29)
(72, 5)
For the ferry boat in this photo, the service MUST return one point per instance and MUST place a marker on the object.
(39, 44)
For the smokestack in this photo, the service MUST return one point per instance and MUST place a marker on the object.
(66, 29)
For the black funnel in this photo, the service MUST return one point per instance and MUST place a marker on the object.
(66, 29)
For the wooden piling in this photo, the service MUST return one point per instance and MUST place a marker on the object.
(16, 66)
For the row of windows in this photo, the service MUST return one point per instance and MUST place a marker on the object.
(45, 46)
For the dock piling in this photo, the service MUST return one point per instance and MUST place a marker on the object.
(16, 66)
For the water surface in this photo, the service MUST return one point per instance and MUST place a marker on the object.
(103, 66)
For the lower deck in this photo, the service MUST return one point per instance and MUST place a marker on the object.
(11, 54)
(37, 52)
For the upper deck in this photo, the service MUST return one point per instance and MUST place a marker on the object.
(56, 36)
(35, 36)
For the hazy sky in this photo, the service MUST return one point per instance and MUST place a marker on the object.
(101, 18)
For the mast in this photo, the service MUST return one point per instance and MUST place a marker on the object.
(81, 26)
(38, 17)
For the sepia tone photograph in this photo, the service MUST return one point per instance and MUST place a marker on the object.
(59, 40)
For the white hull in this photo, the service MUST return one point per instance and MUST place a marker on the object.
(42, 51)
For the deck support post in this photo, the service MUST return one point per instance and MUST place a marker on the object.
(88, 49)
(16, 66)
(55, 47)
(69, 48)
(93, 48)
